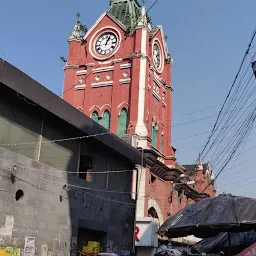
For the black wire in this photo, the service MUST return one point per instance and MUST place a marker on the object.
(228, 95)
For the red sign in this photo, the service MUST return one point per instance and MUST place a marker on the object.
(251, 250)
(137, 231)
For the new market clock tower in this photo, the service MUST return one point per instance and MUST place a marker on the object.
(119, 74)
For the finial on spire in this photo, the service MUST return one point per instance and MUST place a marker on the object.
(144, 2)
(77, 15)
(79, 30)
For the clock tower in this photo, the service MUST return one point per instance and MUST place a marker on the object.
(119, 74)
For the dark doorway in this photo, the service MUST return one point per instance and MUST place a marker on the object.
(86, 235)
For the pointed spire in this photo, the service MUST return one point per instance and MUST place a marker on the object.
(143, 16)
(126, 11)
(76, 33)
(199, 166)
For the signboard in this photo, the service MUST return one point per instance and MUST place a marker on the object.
(146, 232)
(29, 248)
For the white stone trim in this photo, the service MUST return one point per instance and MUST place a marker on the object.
(141, 128)
(140, 209)
(125, 81)
(103, 69)
(156, 96)
(99, 20)
(96, 34)
(121, 105)
(80, 108)
(152, 203)
(117, 60)
(80, 87)
(81, 72)
(160, 27)
(164, 104)
(157, 82)
(102, 84)
(89, 64)
(104, 62)
(161, 68)
(70, 66)
(126, 65)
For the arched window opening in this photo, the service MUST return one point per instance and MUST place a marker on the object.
(122, 123)
(154, 136)
(95, 116)
(162, 143)
(105, 120)
(152, 213)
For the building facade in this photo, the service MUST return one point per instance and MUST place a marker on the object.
(65, 180)
(118, 72)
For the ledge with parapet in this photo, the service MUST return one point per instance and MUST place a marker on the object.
(81, 72)
(71, 66)
(103, 69)
(80, 87)
(158, 83)
(169, 86)
(156, 96)
(90, 64)
(125, 81)
(102, 84)
(137, 55)
(117, 60)
(126, 65)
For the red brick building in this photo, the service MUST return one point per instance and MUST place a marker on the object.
(119, 74)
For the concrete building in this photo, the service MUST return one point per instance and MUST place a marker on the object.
(57, 193)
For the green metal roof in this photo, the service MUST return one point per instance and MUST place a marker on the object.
(126, 11)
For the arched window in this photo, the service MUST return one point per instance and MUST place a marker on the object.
(152, 213)
(95, 116)
(162, 143)
(105, 120)
(154, 136)
(122, 122)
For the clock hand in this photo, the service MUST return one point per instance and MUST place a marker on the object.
(107, 40)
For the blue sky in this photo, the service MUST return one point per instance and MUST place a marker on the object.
(207, 40)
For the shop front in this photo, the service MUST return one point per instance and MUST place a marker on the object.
(146, 238)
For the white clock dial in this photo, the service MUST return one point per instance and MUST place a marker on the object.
(106, 43)
(156, 56)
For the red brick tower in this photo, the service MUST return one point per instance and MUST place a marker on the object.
(119, 74)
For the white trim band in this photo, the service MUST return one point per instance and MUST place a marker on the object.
(127, 65)
(102, 84)
(104, 69)
(80, 87)
(81, 72)
(125, 81)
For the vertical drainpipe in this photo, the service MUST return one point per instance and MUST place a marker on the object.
(39, 144)
(136, 199)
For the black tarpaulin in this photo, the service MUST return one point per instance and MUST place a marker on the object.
(238, 241)
(210, 216)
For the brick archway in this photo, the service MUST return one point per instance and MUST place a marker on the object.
(152, 203)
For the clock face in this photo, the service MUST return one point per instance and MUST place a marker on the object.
(106, 43)
(156, 55)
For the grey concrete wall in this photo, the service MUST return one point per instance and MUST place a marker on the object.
(53, 215)
(48, 212)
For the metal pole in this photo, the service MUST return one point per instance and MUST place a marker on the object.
(136, 200)
(172, 188)
(229, 244)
